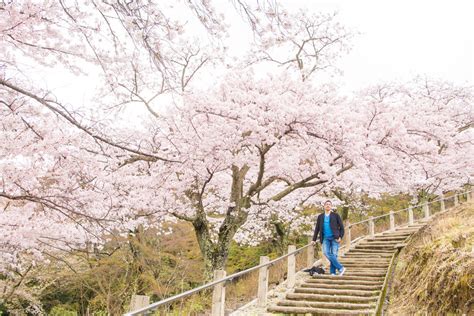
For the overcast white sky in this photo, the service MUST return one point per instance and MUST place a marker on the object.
(397, 40)
(401, 39)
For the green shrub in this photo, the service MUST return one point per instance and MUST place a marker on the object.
(63, 310)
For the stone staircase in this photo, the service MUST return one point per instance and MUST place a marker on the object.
(358, 290)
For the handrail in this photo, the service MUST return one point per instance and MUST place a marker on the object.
(405, 209)
(233, 276)
(212, 284)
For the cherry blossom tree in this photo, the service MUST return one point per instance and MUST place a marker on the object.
(249, 152)
(426, 124)
(140, 51)
(254, 150)
(307, 44)
(437, 117)
(228, 159)
(240, 148)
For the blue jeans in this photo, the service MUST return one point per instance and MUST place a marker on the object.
(330, 249)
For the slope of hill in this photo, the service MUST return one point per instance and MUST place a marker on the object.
(435, 272)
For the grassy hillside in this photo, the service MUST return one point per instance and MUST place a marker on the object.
(435, 272)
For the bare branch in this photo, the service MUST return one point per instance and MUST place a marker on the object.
(73, 121)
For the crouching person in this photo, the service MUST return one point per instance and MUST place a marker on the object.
(330, 229)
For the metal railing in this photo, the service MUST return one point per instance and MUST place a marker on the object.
(425, 207)
(221, 279)
(158, 304)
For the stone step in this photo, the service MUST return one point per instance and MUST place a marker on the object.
(355, 258)
(405, 227)
(401, 232)
(367, 264)
(359, 268)
(379, 243)
(370, 268)
(332, 305)
(351, 265)
(337, 291)
(346, 277)
(385, 237)
(364, 260)
(342, 286)
(311, 310)
(331, 298)
(375, 247)
(341, 282)
(354, 251)
(368, 256)
(398, 234)
(403, 236)
(373, 252)
(366, 273)
(352, 270)
(384, 240)
(415, 225)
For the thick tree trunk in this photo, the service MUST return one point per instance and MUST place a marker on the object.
(215, 252)
(136, 265)
(345, 209)
(281, 237)
(344, 212)
(422, 197)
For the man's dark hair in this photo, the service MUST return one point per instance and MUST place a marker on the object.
(328, 201)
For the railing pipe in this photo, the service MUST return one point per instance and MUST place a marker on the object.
(211, 284)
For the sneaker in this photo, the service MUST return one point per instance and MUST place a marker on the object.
(333, 274)
(342, 271)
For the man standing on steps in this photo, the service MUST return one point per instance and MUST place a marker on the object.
(330, 229)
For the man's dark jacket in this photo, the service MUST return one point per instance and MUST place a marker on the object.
(335, 222)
